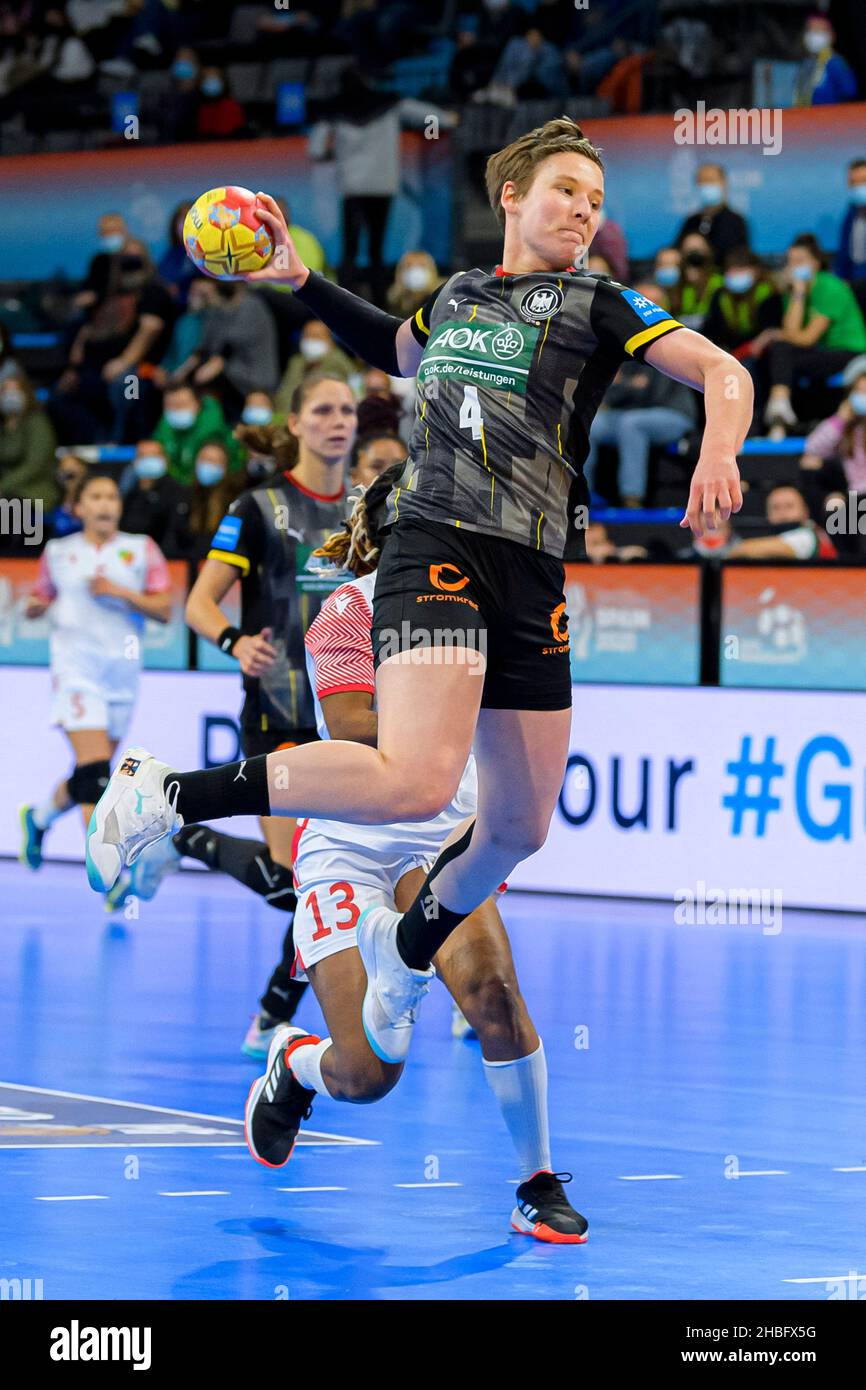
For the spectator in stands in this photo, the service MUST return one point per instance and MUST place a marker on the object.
(668, 274)
(744, 307)
(178, 108)
(62, 519)
(824, 78)
(27, 444)
(184, 350)
(843, 435)
(213, 492)
(300, 33)
(598, 265)
(374, 452)
(415, 277)
(363, 135)
(157, 505)
(8, 364)
(822, 329)
(712, 545)
(125, 336)
(188, 422)
(609, 241)
(723, 229)
(219, 116)
(239, 347)
(805, 540)
(317, 351)
(309, 248)
(601, 550)
(529, 68)
(176, 270)
(850, 262)
(113, 234)
(379, 31)
(473, 62)
(259, 409)
(690, 299)
(641, 408)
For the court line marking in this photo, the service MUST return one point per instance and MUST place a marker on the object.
(322, 1136)
(820, 1279)
(761, 1173)
(312, 1189)
(428, 1184)
(647, 1177)
(205, 1192)
(855, 1168)
(86, 1197)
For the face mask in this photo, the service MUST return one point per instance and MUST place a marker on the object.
(112, 244)
(259, 467)
(857, 195)
(11, 402)
(667, 275)
(184, 70)
(816, 40)
(257, 415)
(857, 401)
(415, 277)
(801, 272)
(709, 194)
(180, 419)
(207, 473)
(150, 466)
(313, 349)
(739, 281)
(212, 87)
(696, 259)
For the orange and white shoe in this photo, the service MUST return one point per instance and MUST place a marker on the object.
(544, 1211)
(277, 1101)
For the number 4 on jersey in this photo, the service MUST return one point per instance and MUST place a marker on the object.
(470, 412)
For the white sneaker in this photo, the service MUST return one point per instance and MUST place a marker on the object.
(394, 992)
(136, 809)
(151, 866)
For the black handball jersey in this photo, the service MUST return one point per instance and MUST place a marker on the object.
(269, 534)
(513, 372)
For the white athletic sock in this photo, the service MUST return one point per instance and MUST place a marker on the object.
(521, 1089)
(306, 1064)
(48, 812)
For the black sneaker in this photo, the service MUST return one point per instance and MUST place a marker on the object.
(277, 1102)
(198, 842)
(544, 1211)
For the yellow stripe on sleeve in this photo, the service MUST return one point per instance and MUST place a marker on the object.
(648, 335)
(227, 558)
(420, 322)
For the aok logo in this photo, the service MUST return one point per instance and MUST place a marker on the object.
(505, 344)
(447, 584)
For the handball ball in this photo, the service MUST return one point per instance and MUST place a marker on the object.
(224, 237)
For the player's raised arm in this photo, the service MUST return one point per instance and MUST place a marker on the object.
(688, 357)
(393, 345)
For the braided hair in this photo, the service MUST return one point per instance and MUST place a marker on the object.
(358, 547)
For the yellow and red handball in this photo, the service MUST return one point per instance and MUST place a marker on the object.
(224, 237)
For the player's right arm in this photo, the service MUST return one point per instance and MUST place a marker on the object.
(43, 593)
(341, 657)
(378, 338)
(231, 554)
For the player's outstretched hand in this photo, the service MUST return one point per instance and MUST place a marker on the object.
(255, 654)
(714, 494)
(285, 266)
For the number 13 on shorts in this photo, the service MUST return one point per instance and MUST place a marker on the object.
(331, 907)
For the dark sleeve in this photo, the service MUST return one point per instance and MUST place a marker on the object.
(240, 537)
(156, 301)
(715, 325)
(770, 313)
(97, 274)
(625, 322)
(421, 320)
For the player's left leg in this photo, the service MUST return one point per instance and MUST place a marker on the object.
(477, 967)
(93, 749)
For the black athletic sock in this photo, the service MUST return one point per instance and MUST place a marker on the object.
(427, 923)
(248, 861)
(234, 789)
(283, 994)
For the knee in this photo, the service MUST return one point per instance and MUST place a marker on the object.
(494, 1007)
(522, 839)
(423, 799)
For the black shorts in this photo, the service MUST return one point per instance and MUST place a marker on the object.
(439, 585)
(255, 740)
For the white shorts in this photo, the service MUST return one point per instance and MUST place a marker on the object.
(76, 707)
(335, 881)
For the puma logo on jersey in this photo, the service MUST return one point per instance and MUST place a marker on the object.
(240, 777)
(456, 303)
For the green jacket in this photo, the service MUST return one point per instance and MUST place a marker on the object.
(182, 446)
(27, 461)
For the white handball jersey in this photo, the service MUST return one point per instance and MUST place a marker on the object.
(96, 640)
(340, 658)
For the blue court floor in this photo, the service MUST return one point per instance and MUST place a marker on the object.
(707, 1091)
